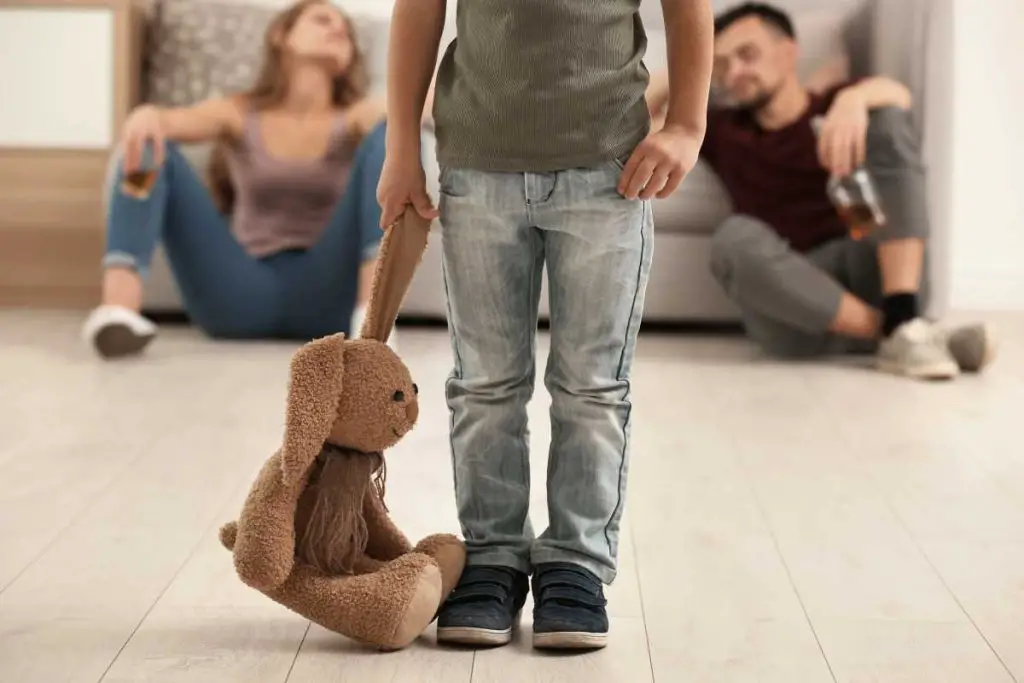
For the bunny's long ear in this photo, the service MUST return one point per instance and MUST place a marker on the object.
(400, 252)
(314, 391)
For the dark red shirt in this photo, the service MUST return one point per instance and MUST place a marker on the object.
(775, 175)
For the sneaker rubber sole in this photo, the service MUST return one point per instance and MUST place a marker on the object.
(466, 635)
(569, 640)
(475, 636)
(117, 340)
(974, 347)
(935, 372)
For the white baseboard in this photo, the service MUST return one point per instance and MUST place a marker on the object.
(987, 290)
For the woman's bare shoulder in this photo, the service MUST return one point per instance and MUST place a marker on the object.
(365, 114)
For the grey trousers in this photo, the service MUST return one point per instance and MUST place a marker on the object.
(788, 300)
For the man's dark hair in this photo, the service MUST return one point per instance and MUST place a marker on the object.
(770, 15)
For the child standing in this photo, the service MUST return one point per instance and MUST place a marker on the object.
(547, 158)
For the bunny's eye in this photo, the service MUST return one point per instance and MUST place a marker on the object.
(415, 390)
(398, 397)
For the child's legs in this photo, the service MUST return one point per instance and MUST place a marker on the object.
(492, 268)
(225, 291)
(324, 290)
(598, 247)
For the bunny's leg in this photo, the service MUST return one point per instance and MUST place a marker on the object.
(389, 608)
(450, 555)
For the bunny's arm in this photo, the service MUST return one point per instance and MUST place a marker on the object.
(264, 547)
(385, 541)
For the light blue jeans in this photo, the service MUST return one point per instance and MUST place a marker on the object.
(498, 230)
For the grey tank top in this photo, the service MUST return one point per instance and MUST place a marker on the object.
(283, 204)
(542, 85)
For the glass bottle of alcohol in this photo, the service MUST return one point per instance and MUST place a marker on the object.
(855, 198)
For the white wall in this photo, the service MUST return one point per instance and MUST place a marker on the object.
(380, 8)
(986, 246)
(64, 99)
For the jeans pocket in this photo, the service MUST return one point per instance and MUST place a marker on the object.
(452, 182)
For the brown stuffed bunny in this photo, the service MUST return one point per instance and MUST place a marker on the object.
(314, 533)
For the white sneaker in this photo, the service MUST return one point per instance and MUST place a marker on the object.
(972, 346)
(116, 331)
(918, 350)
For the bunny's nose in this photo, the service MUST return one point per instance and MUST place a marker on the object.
(412, 410)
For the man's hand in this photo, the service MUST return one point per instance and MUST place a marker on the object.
(402, 183)
(842, 141)
(660, 163)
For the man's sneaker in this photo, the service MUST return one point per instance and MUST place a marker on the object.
(972, 346)
(568, 608)
(116, 331)
(917, 349)
(483, 607)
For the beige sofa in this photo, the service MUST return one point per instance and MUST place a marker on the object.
(907, 39)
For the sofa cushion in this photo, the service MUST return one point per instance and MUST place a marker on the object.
(202, 48)
(198, 49)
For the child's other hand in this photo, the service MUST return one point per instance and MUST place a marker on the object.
(660, 163)
(403, 183)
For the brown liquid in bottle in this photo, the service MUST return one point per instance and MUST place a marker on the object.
(855, 199)
(139, 184)
(859, 218)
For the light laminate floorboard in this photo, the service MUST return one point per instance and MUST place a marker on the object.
(789, 523)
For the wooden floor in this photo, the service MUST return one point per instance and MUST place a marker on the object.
(785, 524)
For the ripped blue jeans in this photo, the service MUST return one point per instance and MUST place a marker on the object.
(296, 294)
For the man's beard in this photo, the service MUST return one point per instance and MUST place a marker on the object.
(759, 102)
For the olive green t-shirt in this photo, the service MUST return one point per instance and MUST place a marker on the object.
(541, 85)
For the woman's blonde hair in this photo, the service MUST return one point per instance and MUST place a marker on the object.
(271, 87)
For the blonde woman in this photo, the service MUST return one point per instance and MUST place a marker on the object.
(281, 241)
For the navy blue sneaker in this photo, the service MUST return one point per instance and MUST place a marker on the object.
(568, 608)
(483, 607)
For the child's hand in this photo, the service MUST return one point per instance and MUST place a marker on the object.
(402, 183)
(660, 163)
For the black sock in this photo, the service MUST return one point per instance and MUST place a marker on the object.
(896, 310)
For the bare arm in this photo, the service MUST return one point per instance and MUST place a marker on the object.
(842, 141)
(152, 125)
(689, 31)
(203, 121)
(657, 92)
(660, 162)
(416, 27)
(878, 92)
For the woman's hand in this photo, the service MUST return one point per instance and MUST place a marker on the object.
(403, 183)
(142, 127)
